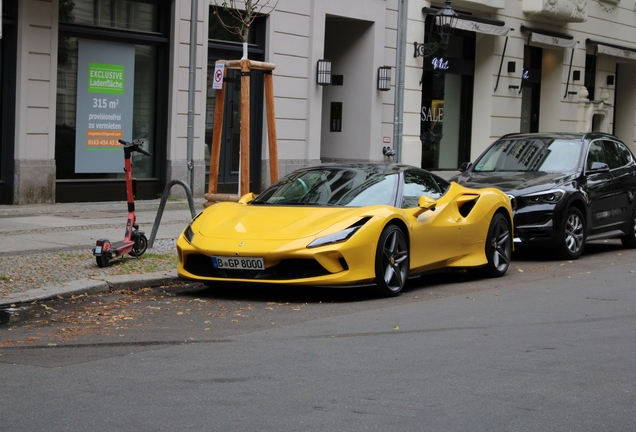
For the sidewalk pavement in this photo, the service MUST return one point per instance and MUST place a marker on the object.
(58, 227)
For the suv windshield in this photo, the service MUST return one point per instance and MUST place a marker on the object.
(531, 155)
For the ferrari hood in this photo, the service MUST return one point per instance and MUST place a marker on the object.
(262, 222)
(512, 181)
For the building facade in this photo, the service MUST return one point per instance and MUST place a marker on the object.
(76, 76)
(519, 66)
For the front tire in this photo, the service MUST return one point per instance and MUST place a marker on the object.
(141, 244)
(573, 241)
(498, 247)
(629, 241)
(391, 262)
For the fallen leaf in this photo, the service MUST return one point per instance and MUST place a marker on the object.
(396, 328)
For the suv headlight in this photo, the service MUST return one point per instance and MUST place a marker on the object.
(548, 197)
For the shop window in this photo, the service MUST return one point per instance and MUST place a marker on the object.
(127, 100)
(216, 30)
(447, 95)
(143, 111)
(119, 14)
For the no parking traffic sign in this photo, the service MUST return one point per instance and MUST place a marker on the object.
(219, 69)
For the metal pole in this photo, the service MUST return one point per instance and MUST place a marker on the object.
(191, 88)
(400, 66)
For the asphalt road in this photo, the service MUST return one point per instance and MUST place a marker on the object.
(548, 347)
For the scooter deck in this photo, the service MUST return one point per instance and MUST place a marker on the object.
(120, 246)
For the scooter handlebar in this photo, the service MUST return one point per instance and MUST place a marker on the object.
(134, 146)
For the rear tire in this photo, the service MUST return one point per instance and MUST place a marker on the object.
(629, 241)
(573, 241)
(391, 262)
(498, 247)
(102, 261)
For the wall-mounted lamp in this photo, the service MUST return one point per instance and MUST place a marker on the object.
(576, 75)
(445, 20)
(512, 67)
(384, 78)
(610, 80)
(323, 77)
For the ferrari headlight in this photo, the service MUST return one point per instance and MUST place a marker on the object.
(549, 197)
(188, 233)
(338, 237)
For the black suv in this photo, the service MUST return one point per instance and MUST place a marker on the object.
(565, 188)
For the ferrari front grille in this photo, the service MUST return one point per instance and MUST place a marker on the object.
(201, 265)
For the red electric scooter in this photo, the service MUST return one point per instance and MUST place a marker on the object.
(135, 242)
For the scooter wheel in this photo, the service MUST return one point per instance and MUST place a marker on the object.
(102, 260)
(141, 244)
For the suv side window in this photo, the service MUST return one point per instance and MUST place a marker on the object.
(595, 154)
(614, 159)
(625, 155)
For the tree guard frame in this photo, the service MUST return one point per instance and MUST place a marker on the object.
(246, 66)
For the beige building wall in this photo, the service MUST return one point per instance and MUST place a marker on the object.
(178, 97)
(35, 102)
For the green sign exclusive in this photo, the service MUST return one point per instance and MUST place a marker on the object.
(105, 78)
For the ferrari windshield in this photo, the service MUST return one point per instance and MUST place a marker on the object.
(535, 154)
(336, 186)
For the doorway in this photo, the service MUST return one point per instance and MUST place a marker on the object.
(531, 89)
(447, 100)
(229, 161)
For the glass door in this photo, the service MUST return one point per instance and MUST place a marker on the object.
(8, 56)
(229, 160)
(447, 99)
(531, 89)
(231, 139)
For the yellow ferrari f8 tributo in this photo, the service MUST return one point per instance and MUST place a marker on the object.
(349, 225)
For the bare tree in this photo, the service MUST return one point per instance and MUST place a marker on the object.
(242, 15)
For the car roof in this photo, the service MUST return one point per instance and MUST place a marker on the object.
(559, 135)
(372, 166)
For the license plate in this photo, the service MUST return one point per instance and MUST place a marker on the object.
(98, 249)
(238, 263)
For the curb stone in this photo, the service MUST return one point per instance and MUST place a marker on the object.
(92, 286)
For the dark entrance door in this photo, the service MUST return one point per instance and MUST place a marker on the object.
(229, 166)
(8, 55)
(447, 101)
(531, 89)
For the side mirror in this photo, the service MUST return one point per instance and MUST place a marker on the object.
(425, 203)
(245, 199)
(598, 167)
(464, 167)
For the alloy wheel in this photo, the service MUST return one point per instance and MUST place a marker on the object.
(574, 232)
(501, 243)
